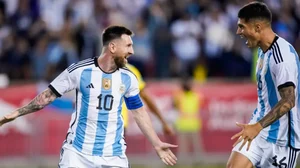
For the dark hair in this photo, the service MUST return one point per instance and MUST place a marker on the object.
(114, 32)
(255, 10)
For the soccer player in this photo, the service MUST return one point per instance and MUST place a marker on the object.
(95, 136)
(273, 131)
(149, 102)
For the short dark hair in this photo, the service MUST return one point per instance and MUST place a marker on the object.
(114, 32)
(255, 10)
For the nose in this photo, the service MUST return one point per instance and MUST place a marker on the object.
(238, 31)
(131, 51)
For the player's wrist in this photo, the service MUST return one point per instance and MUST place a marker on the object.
(157, 144)
(259, 127)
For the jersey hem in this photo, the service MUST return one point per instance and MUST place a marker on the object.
(287, 84)
(54, 90)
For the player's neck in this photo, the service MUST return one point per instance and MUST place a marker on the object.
(267, 39)
(106, 63)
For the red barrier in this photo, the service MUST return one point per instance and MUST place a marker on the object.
(42, 133)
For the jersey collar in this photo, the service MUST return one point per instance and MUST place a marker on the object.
(275, 39)
(97, 65)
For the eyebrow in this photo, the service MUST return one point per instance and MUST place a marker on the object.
(240, 25)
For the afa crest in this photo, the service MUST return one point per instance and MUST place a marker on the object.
(106, 83)
(122, 88)
(260, 64)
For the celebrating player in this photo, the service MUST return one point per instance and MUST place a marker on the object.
(272, 136)
(95, 135)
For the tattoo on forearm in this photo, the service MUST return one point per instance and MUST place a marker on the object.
(38, 103)
(286, 103)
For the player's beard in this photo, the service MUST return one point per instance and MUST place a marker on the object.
(120, 62)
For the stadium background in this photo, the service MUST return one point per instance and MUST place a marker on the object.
(173, 39)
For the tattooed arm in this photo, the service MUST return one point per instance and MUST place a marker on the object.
(38, 103)
(250, 131)
(286, 103)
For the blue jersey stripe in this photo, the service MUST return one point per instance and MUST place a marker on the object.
(126, 80)
(292, 127)
(254, 114)
(262, 106)
(259, 90)
(292, 131)
(85, 79)
(103, 115)
(117, 147)
(272, 98)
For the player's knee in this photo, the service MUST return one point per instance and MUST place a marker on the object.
(229, 164)
(238, 164)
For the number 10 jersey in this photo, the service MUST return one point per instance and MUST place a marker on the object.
(96, 126)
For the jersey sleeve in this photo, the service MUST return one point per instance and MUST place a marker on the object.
(132, 97)
(140, 79)
(63, 83)
(138, 75)
(284, 71)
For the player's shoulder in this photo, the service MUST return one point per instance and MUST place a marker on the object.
(86, 63)
(127, 71)
(281, 51)
(133, 69)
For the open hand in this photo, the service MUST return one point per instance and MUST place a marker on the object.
(165, 154)
(248, 133)
(8, 118)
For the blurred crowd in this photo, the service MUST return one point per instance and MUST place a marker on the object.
(173, 38)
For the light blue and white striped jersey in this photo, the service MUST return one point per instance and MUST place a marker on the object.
(278, 67)
(96, 126)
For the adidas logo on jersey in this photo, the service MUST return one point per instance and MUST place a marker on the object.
(90, 86)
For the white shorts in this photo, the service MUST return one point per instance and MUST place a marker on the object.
(268, 155)
(71, 158)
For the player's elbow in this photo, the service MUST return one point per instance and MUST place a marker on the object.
(291, 102)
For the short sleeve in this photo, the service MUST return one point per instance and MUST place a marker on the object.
(63, 83)
(138, 75)
(133, 89)
(285, 72)
(132, 97)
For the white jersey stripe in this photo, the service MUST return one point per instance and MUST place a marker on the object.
(272, 99)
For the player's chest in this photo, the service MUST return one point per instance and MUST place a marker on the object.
(106, 84)
(263, 70)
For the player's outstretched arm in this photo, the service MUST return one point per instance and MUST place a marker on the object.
(250, 131)
(286, 103)
(38, 103)
(162, 149)
(154, 109)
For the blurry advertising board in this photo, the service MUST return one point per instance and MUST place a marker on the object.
(43, 132)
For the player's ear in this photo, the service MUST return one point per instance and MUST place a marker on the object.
(257, 27)
(112, 47)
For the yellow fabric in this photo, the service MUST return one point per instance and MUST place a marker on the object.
(200, 73)
(188, 104)
(142, 85)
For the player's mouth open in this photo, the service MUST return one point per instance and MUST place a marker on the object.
(243, 37)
